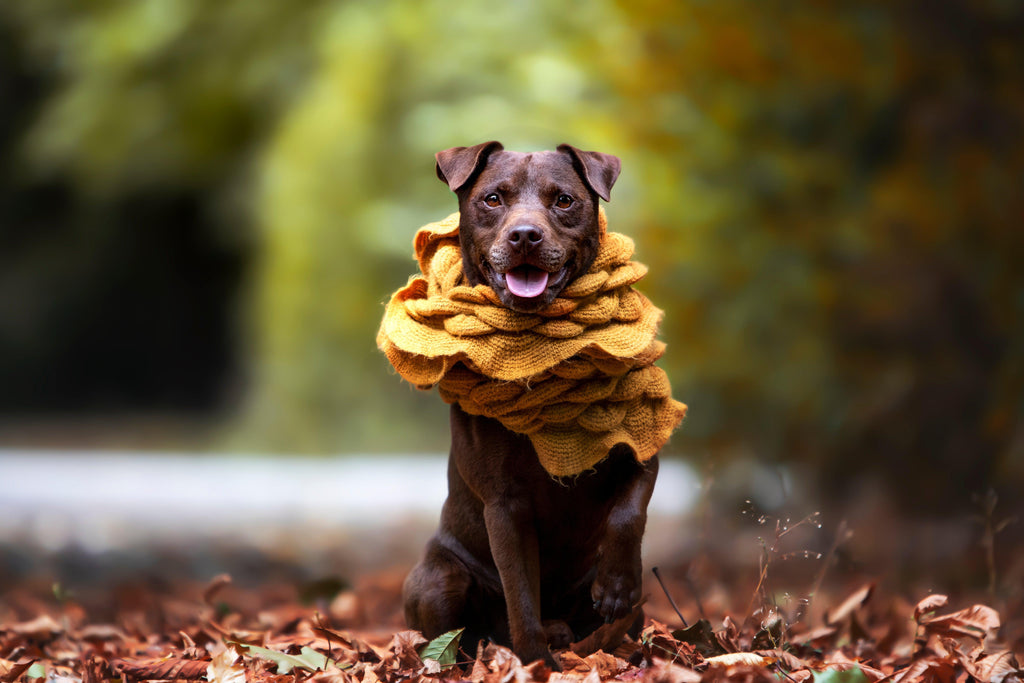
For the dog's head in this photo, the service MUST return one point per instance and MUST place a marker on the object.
(528, 221)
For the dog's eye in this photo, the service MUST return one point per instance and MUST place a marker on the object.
(563, 201)
(492, 200)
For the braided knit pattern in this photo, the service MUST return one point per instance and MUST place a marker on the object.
(578, 377)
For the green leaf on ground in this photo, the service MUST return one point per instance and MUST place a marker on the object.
(854, 675)
(444, 649)
(308, 658)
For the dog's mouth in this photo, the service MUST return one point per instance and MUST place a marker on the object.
(527, 282)
(529, 286)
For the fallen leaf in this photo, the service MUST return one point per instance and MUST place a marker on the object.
(728, 635)
(10, 671)
(818, 637)
(308, 658)
(41, 627)
(852, 675)
(670, 672)
(929, 669)
(787, 660)
(606, 636)
(736, 658)
(995, 667)
(496, 664)
(225, 667)
(444, 649)
(163, 669)
(406, 646)
(330, 675)
(216, 584)
(856, 600)
(929, 604)
(701, 636)
(605, 664)
(975, 622)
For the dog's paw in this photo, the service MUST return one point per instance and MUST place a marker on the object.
(615, 593)
(532, 654)
(558, 634)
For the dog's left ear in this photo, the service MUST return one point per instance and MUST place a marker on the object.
(598, 170)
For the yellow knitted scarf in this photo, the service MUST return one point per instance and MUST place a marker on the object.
(577, 377)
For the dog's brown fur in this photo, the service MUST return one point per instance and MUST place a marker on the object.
(515, 546)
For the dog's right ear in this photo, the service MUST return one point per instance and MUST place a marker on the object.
(457, 165)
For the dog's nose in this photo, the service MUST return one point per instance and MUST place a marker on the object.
(525, 236)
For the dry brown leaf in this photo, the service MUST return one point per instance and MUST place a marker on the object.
(369, 675)
(817, 636)
(216, 584)
(100, 632)
(62, 674)
(728, 635)
(405, 645)
(974, 622)
(10, 671)
(226, 667)
(670, 672)
(570, 661)
(330, 675)
(536, 671)
(163, 669)
(840, 662)
(994, 668)
(929, 604)
(479, 669)
(738, 658)
(607, 636)
(41, 627)
(561, 677)
(498, 665)
(787, 660)
(854, 601)
(928, 669)
(607, 665)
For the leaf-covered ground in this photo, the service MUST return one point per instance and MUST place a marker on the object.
(222, 633)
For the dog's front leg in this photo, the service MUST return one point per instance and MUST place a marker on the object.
(513, 542)
(617, 584)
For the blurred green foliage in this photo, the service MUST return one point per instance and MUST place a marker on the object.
(828, 195)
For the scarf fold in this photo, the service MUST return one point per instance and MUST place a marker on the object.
(577, 377)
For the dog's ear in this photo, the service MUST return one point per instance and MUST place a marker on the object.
(598, 170)
(457, 165)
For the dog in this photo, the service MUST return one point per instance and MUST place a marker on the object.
(519, 557)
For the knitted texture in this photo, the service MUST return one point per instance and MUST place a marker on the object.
(577, 377)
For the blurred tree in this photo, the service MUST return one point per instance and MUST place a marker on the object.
(828, 198)
(845, 178)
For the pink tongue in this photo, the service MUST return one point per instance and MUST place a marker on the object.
(526, 282)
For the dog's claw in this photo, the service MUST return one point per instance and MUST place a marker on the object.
(614, 595)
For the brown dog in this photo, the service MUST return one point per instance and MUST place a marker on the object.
(516, 546)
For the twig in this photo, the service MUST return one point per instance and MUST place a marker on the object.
(668, 595)
(842, 534)
(988, 504)
(318, 620)
(693, 591)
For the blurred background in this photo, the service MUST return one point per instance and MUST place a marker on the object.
(203, 207)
